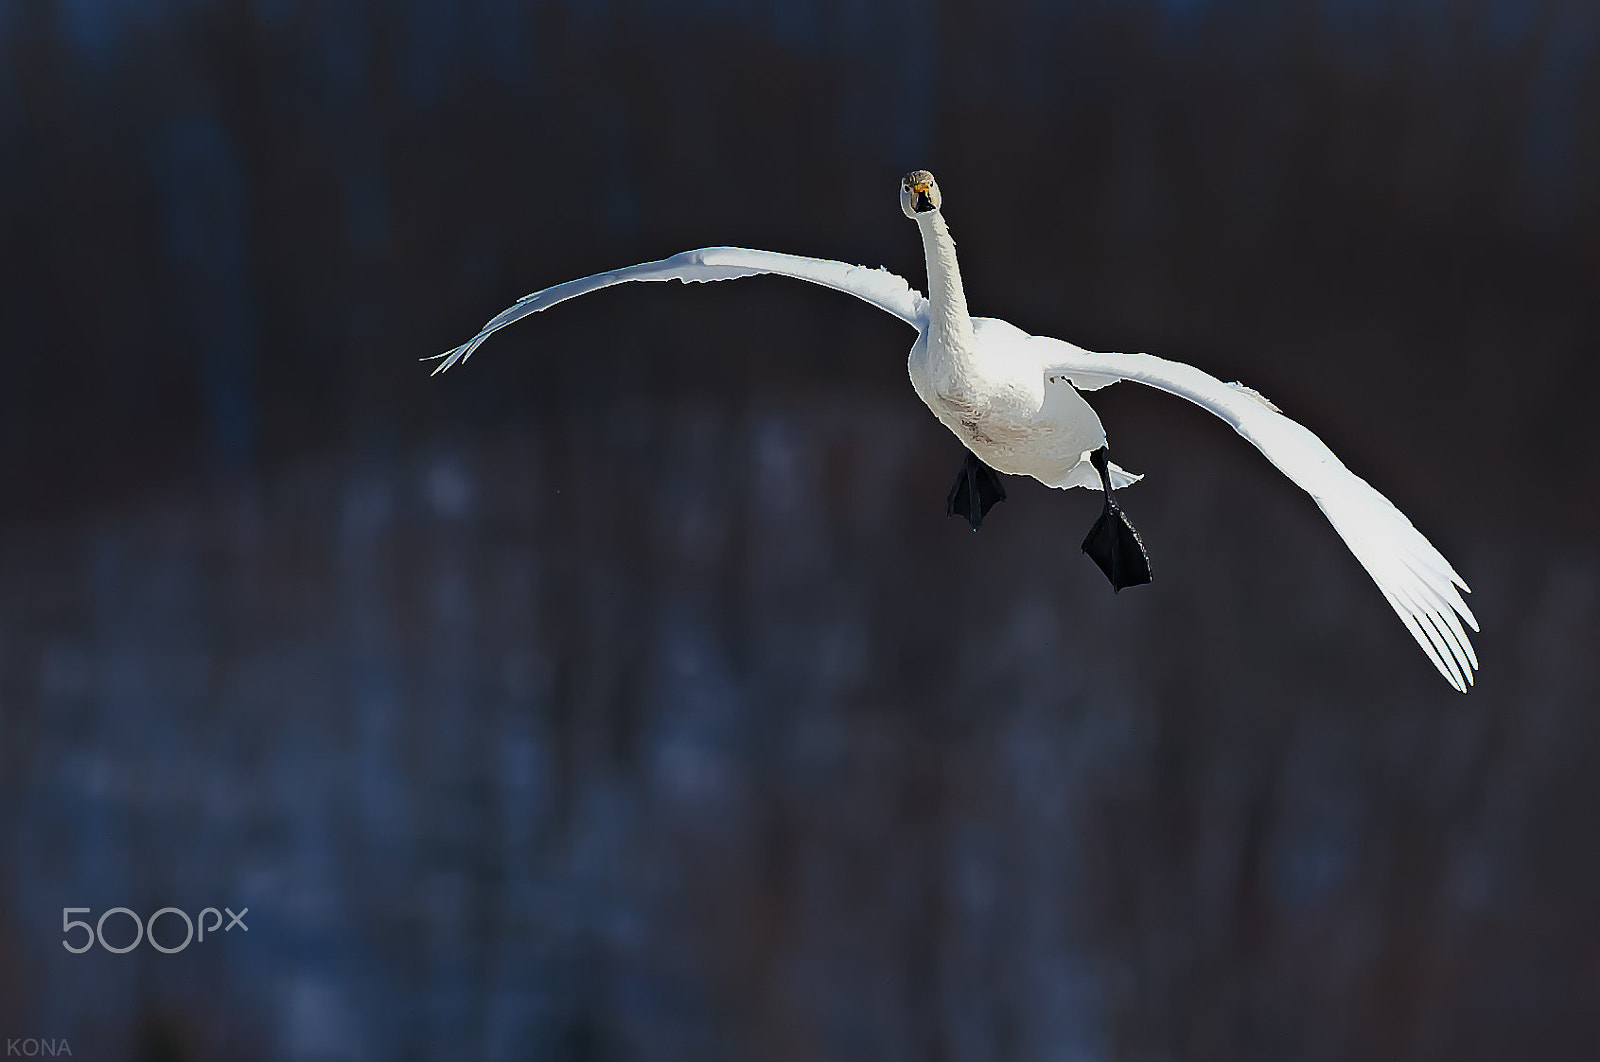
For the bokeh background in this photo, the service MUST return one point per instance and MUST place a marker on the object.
(628, 695)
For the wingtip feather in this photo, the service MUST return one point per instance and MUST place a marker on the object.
(1428, 639)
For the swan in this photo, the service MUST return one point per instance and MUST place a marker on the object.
(1014, 400)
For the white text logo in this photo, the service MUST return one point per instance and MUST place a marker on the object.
(144, 929)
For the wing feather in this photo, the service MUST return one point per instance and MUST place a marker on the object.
(879, 287)
(1416, 580)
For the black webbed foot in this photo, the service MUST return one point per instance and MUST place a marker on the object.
(1116, 548)
(1112, 542)
(976, 490)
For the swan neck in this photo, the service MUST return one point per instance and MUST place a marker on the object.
(949, 322)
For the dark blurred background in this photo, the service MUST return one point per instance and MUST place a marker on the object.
(627, 694)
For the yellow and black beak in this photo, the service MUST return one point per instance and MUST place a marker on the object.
(921, 201)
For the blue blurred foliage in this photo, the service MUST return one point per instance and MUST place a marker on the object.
(208, 238)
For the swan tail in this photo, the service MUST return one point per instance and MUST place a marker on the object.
(1084, 475)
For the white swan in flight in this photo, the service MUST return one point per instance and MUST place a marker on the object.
(1013, 400)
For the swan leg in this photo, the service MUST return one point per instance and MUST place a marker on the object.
(1112, 543)
(976, 490)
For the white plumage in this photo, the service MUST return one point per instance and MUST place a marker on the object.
(1013, 399)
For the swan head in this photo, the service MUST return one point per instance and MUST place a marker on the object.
(919, 193)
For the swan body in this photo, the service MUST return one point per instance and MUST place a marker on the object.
(1010, 414)
(1015, 402)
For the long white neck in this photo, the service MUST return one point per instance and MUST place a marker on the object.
(950, 340)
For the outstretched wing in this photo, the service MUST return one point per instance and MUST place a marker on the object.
(879, 287)
(1418, 582)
